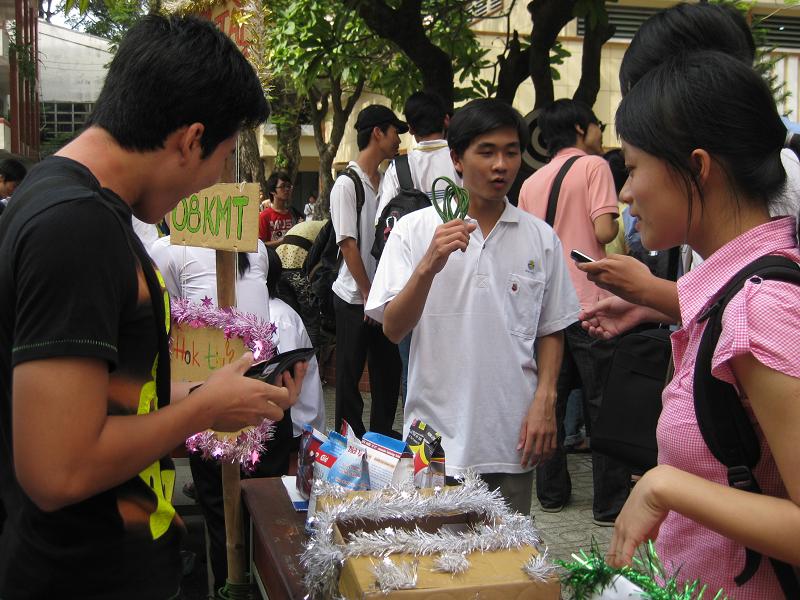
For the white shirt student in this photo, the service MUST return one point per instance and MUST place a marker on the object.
(343, 215)
(427, 161)
(487, 306)
(190, 272)
(310, 406)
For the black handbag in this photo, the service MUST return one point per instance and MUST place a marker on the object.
(626, 426)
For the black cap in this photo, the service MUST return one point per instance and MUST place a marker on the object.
(375, 115)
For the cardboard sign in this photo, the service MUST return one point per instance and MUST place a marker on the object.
(223, 216)
(198, 352)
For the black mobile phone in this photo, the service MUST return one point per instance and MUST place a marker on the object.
(580, 257)
(272, 370)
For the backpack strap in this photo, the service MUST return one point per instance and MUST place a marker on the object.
(356, 179)
(555, 190)
(403, 170)
(721, 417)
(297, 240)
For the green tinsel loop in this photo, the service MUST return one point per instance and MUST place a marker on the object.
(451, 193)
(589, 574)
(235, 591)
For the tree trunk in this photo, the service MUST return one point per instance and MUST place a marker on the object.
(286, 106)
(593, 40)
(251, 165)
(513, 70)
(549, 17)
(403, 26)
(319, 104)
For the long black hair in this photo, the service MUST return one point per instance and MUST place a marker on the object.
(711, 101)
(274, 272)
(685, 28)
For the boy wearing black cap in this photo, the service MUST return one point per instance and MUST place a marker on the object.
(358, 338)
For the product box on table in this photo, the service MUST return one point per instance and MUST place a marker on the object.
(493, 575)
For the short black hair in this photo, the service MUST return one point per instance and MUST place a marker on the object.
(274, 272)
(364, 135)
(685, 28)
(274, 178)
(710, 101)
(483, 116)
(172, 72)
(557, 122)
(425, 113)
(616, 162)
(12, 170)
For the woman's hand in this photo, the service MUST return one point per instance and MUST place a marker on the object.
(611, 317)
(622, 275)
(640, 518)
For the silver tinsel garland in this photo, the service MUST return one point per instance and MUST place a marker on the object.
(450, 562)
(391, 576)
(539, 568)
(323, 557)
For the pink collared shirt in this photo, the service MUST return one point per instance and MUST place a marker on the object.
(586, 193)
(762, 319)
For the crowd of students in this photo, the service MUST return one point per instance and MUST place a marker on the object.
(494, 321)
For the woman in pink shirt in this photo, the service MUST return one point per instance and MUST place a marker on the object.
(690, 184)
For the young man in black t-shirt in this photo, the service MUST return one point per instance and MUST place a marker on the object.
(87, 412)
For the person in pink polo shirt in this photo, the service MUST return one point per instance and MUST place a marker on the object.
(585, 220)
(690, 184)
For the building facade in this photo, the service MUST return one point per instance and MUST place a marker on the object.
(19, 70)
(72, 70)
(783, 33)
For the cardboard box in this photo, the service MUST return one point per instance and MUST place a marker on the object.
(491, 575)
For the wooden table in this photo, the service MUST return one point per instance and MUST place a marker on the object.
(277, 537)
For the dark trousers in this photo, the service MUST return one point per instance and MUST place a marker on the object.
(207, 476)
(404, 348)
(586, 362)
(358, 343)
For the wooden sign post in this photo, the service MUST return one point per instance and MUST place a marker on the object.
(224, 217)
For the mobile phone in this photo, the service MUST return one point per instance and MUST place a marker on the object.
(580, 257)
(272, 370)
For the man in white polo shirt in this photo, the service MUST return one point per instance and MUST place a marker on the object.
(479, 294)
(358, 339)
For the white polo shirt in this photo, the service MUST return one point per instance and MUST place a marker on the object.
(190, 272)
(343, 215)
(292, 334)
(426, 161)
(472, 372)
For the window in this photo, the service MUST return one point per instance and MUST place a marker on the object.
(781, 31)
(626, 19)
(60, 120)
(482, 8)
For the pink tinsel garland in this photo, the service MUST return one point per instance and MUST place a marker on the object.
(257, 335)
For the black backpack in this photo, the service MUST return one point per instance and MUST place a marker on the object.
(407, 200)
(721, 417)
(324, 258)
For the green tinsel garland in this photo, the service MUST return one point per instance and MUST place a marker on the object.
(589, 574)
(451, 193)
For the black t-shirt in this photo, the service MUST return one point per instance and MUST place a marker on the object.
(76, 282)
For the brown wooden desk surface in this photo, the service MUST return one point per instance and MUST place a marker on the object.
(278, 537)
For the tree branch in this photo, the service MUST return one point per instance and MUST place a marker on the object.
(593, 40)
(549, 17)
(403, 26)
